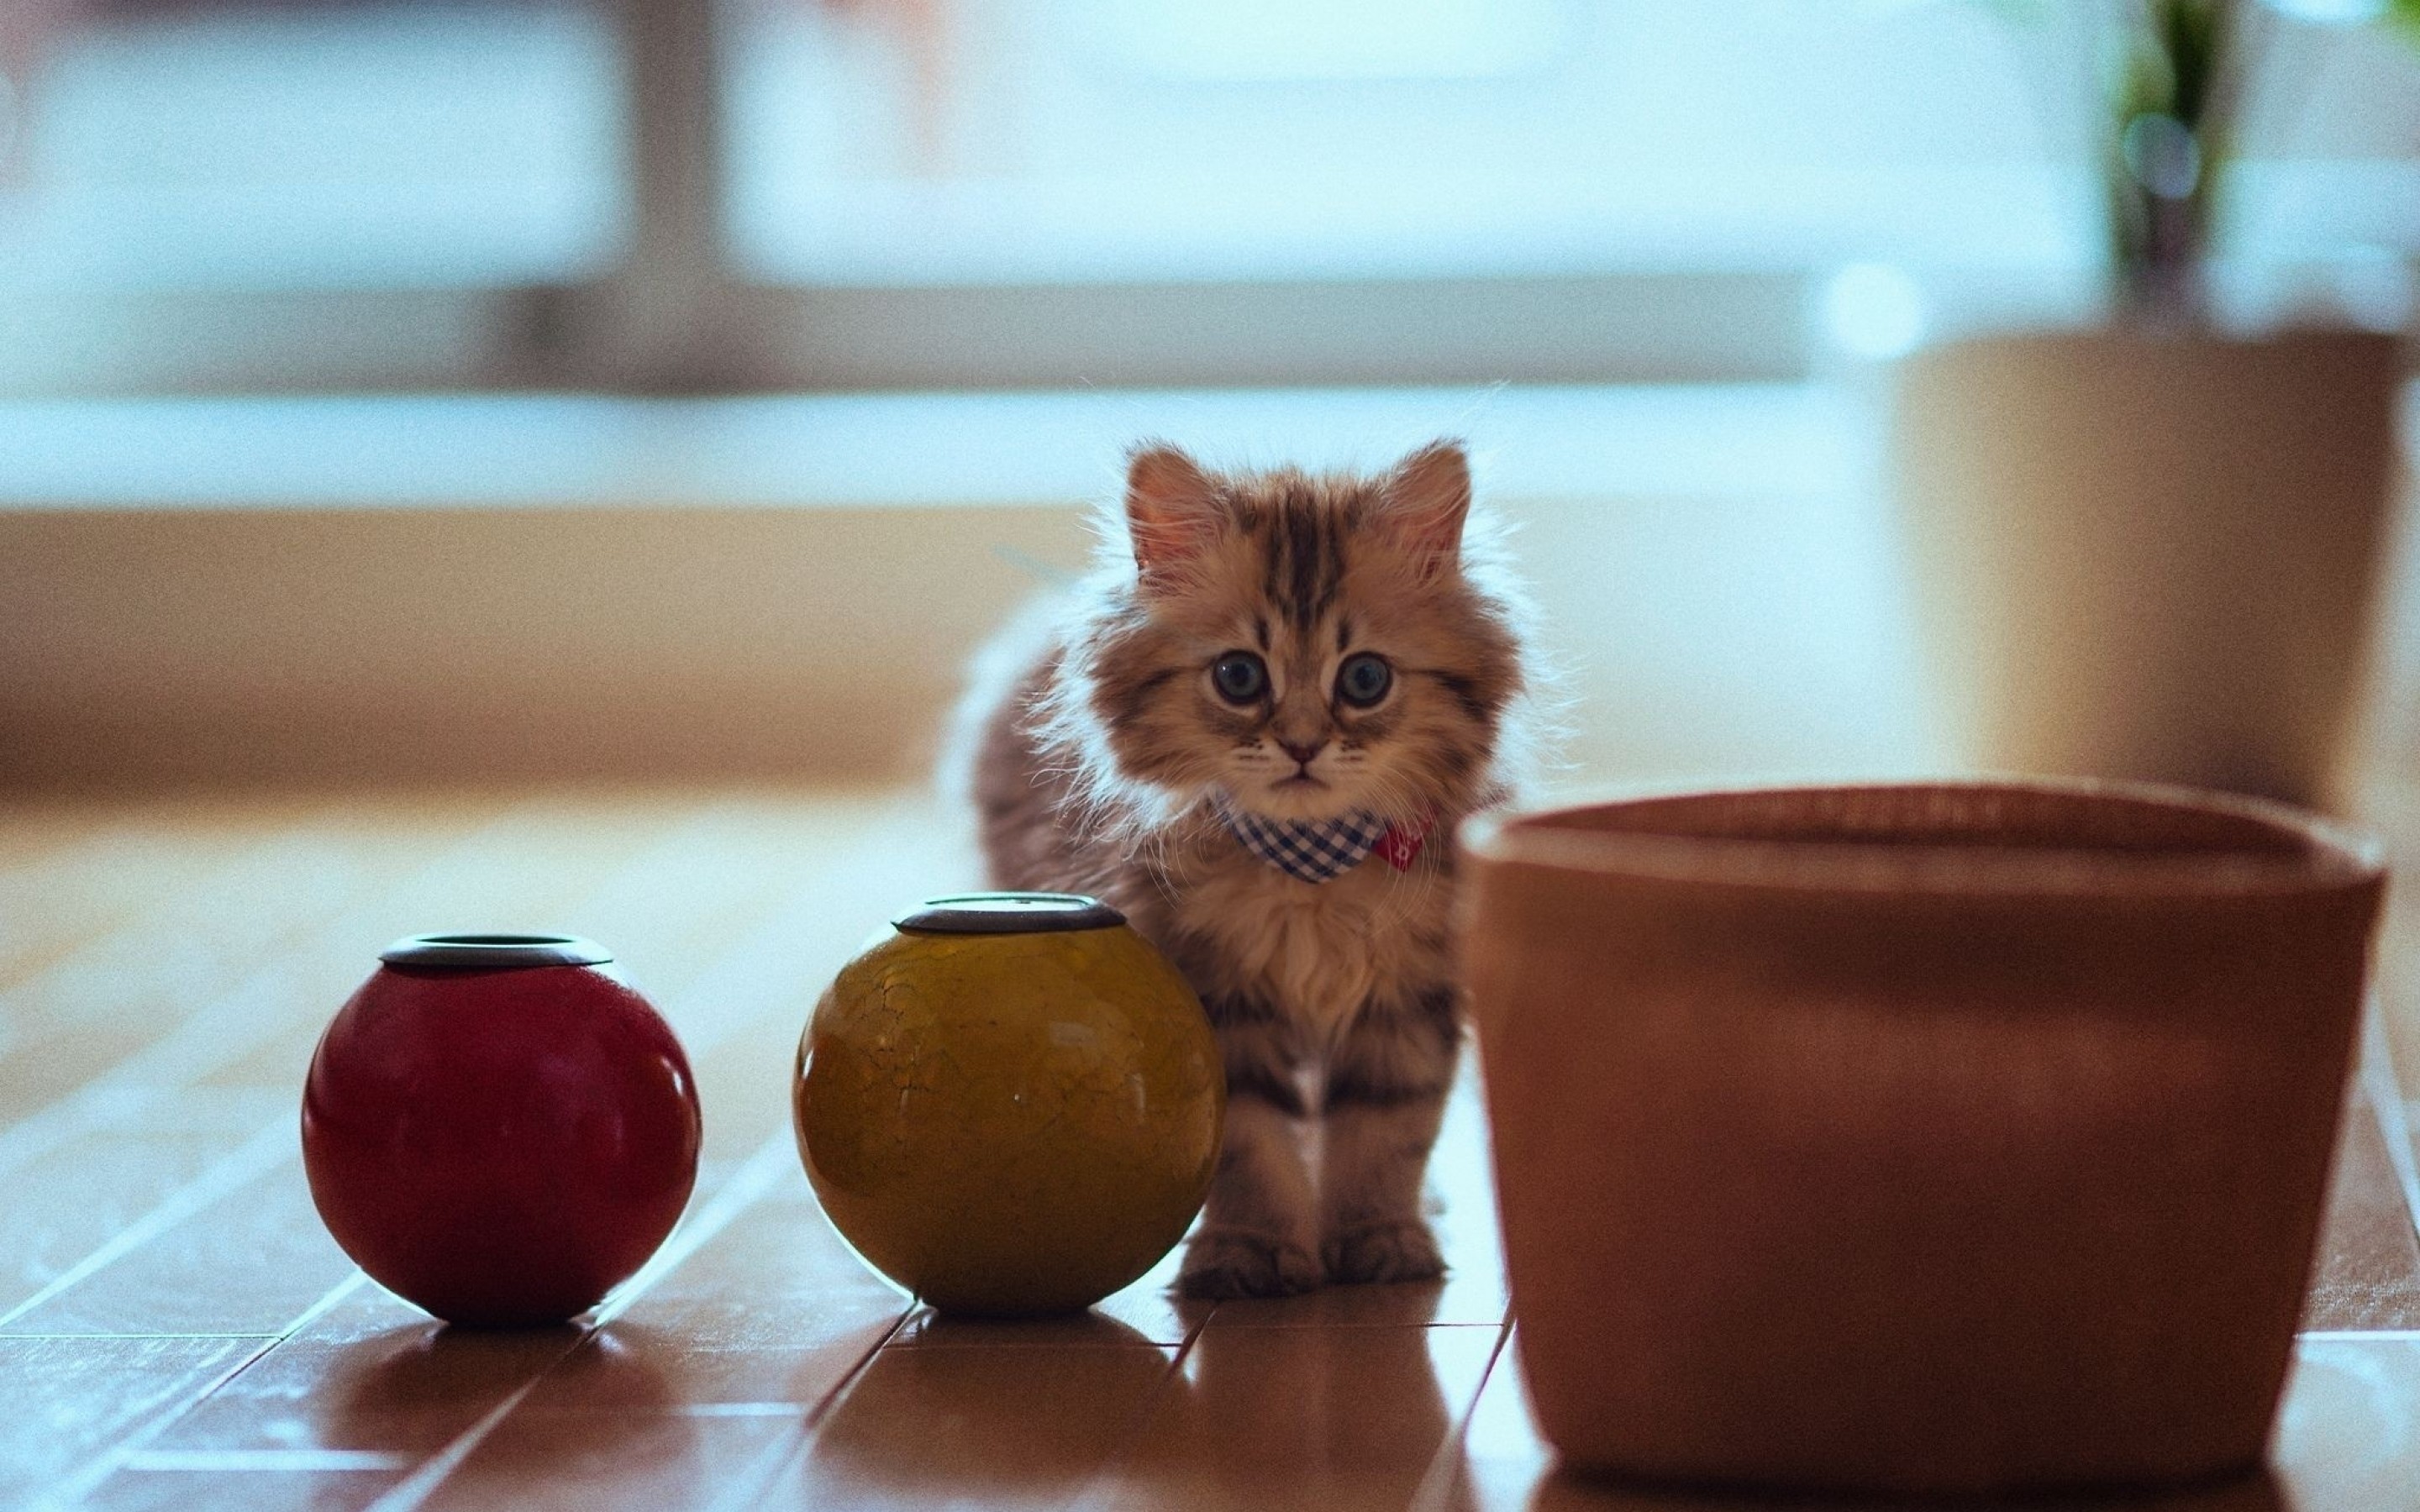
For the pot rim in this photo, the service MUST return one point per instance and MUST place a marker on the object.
(2086, 336)
(2284, 851)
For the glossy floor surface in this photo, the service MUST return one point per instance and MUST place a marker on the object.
(178, 1331)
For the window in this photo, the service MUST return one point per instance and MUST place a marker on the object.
(687, 194)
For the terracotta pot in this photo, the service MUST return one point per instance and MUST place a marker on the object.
(1914, 1139)
(2150, 557)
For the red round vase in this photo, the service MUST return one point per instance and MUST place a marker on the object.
(498, 1127)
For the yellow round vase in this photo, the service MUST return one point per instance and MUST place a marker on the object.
(1011, 1105)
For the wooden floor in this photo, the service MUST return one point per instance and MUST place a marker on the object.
(178, 1331)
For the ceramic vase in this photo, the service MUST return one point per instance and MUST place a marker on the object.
(1012, 1105)
(499, 1128)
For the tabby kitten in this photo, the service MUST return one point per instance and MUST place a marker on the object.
(1255, 737)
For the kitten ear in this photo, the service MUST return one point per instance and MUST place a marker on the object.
(1171, 506)
(1428, 497)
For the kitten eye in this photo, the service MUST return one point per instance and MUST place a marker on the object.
(1364, 679)
(1239, 676)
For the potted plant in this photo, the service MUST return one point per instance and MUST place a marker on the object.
(2149, 548)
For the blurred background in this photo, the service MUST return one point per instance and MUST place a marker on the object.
(524, 388)
(547, 464)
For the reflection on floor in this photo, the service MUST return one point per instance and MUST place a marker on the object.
(178, 1331)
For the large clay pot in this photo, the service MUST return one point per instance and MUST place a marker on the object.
(1928, 1139)
(2150, 557)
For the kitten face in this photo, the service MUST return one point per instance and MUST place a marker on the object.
(1305, 647)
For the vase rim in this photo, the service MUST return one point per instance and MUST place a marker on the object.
(1008, 913)
(2039, 837)
(483, 950)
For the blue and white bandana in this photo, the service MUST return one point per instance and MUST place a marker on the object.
(1320, 850)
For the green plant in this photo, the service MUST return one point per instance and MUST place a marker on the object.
(2183, 69)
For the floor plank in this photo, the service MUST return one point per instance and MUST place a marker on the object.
(372, 1375)
(249, 1258)
(161, 1235)
(2349, 1436)
(776, 1309)
(70, 1398)
(60, 896)
(97, 1188)
(988, 1426)
(1333, 1419)
(2390, 806)
(603, 1462)
(256, 1484)
(2368, 1270)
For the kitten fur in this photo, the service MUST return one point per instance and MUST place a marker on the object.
(1098, 753)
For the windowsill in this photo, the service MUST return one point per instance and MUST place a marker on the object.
(554, 585)
(879, 451)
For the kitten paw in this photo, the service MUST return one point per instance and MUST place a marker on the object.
(1223, 1263)
(1384, 1252)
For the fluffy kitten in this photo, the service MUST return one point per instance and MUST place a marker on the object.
(1278, 648)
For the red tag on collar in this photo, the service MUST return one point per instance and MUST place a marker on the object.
(1401, 846)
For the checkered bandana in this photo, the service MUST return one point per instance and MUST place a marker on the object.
(1320, 850)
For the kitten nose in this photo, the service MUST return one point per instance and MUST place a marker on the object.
(1302, 754)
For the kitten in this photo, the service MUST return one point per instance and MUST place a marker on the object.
(1279, 651)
